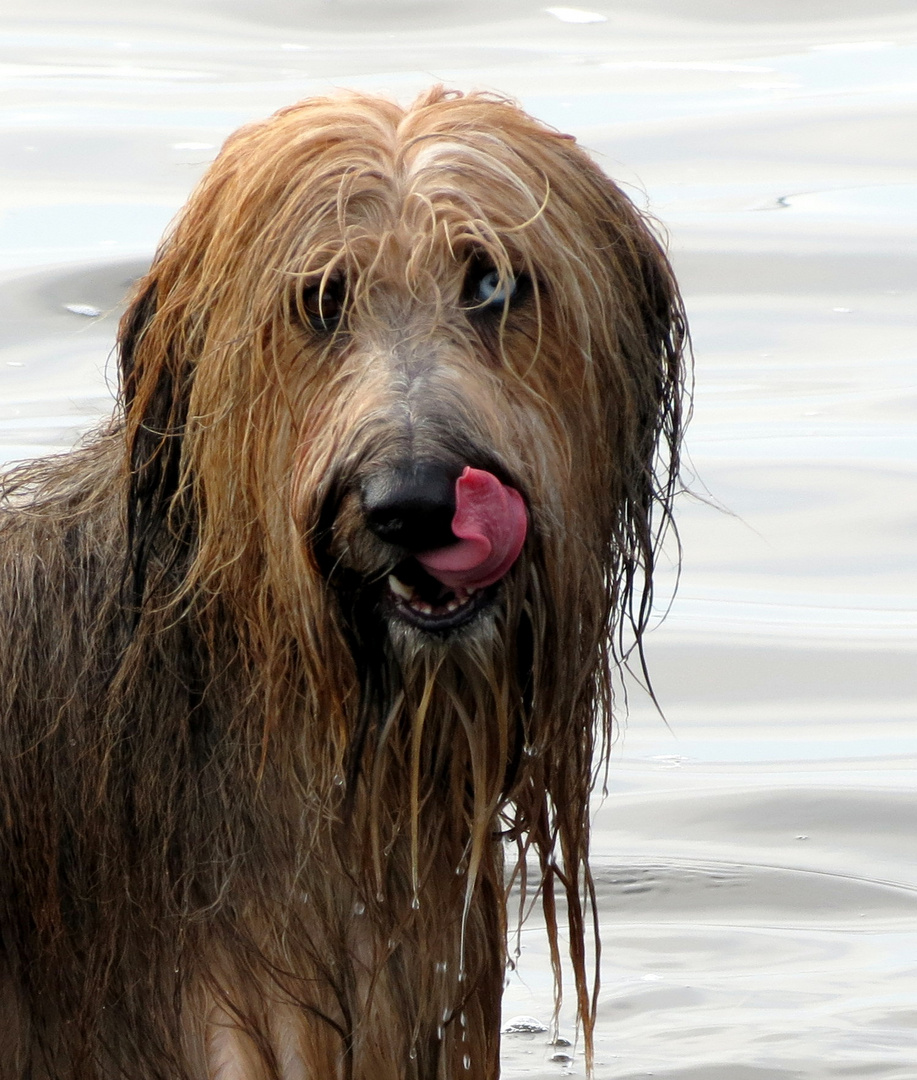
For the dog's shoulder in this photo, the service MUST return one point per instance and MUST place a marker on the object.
(61, 537)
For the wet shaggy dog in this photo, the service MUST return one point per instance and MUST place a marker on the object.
(305, 657)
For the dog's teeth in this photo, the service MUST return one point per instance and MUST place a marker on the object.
(409, 596)
(399, 588)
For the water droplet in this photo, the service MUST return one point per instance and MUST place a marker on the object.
(523, 1025)
(466, 1061)
(441, 967)
(412, 1053)
(415, 904)
(359, 908)
(463, 1020)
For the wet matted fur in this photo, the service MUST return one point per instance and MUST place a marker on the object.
(260, 810)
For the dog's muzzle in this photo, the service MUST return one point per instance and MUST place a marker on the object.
(461, 531)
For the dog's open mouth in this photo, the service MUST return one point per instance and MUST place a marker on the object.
(419, 599)
(458, 540)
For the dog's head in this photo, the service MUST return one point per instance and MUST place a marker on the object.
(361, 305)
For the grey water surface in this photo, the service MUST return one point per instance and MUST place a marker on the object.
(756, 852)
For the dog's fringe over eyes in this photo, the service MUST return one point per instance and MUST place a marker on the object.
(324, 625)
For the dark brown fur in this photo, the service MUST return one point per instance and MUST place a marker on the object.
(253, 824)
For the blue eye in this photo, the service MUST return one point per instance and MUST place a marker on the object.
(491, 291)
(488, 292)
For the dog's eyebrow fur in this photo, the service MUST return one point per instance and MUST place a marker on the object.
(253, 820)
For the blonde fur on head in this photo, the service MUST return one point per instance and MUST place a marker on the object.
(262, 767)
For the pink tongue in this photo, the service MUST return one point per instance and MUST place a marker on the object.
(490, 523)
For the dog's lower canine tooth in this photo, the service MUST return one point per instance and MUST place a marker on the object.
(399, 588)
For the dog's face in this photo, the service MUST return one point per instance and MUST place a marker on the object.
(422, 325)
(374, 301)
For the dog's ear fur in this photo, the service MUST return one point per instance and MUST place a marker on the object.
(655, 346)
(661, 421)
(666, 336)
(155, 381)
(134, 322)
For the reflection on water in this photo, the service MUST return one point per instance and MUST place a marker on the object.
(755, 858)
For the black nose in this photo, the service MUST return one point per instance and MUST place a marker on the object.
(412, 506)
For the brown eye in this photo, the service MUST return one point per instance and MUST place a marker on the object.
(323, 304)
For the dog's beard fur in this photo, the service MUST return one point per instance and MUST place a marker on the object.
(254, 818)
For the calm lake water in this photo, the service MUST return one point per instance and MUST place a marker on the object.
(756, 852)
